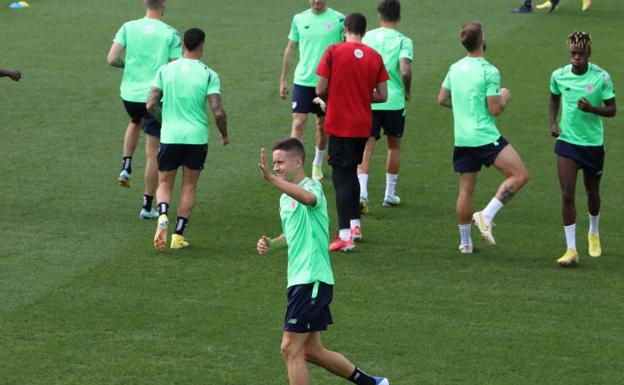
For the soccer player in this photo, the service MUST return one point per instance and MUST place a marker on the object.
(397, 52)
(351, 77)
(14, 75)
(551, 5)
(587, 94)
(303, 211)
(472, 89)
(312, 31)
(140, 47)
(186, 87)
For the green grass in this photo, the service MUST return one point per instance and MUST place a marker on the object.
(85, 300)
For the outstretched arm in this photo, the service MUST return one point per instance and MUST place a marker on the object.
(608, 110)
(444, 98)
(406, 76)
(553, 112)
(116, 55)
(283, 91)
(216, 105)
(15, 75)
(153, 103)
(380, 93)
(266, 244)
(497, 104)
(291, 189)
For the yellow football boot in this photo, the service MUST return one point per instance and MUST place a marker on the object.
(570, 258)
(594, 245)
(179, 242)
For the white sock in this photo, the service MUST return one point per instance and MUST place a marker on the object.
(489, 212)
(363, 178)
(391, 181)
(570, 234)
(593, 223)
(318, 157)
(355, 223)
(344, 234)
(464, 234)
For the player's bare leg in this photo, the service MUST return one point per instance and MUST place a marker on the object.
(463, 206)
(166, 179)
(299, 122)
(392, 170)
(334, 362)
(567, 170)
(292, 348)
(510, 164)
(188, 192)
(363, 171)
(592, 187)
(131, 138)
(152, 143)
(319, 150)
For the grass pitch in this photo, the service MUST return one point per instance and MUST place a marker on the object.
(85, 300)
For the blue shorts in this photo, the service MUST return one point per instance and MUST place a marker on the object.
(392, 122)
(137, 112)
(470, 159)
(307, 312)
(302, 101)
(589, 158)
(172, 156)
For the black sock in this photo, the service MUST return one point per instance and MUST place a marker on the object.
(528, 3)
(360, 378)
(147, 202)
(163, 208)
(127, 164)
(180, 225)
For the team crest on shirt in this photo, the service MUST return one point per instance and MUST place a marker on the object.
(293, 204)
(329, 26)
(590, 88)
(358, 53)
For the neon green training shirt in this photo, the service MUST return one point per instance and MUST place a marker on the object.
(314, 33)
(393, 46)
(185, 83)
(149, 43)
(579, 127)
(306, 229)
(471, 81)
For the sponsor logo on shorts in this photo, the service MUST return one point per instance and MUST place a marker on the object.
(358, 53)
(294, 105)
(292, 321)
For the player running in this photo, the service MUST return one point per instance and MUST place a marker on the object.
(312, 31)
(587, 94)
(397, 52)
(303, 211)
(140, 47)
(472, 89)
(185, 86)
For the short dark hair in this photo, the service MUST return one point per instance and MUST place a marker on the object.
(356, 23)
(290, 145)
(193, 37)
(153, 4)
(471, 35)
(390, 10)
(581, 40)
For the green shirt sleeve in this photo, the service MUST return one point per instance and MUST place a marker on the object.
(608, 91)
(407, 49)
(315, 188)
(447, 81)
(214, 84)
(175, 49)
(492, 82)
(120, 36)
(554, 87)
(294, 31)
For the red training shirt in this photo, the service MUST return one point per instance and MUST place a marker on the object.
(353, 70)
